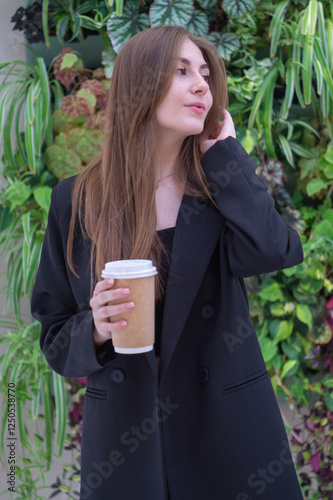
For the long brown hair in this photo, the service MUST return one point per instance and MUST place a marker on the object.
(114, 197)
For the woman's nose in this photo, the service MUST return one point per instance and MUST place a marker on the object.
(199, 85)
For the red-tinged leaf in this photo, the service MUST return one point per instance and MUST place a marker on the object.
(66, 76)
(315, 462)
(93, 86)
(310, 425)
(74, 106)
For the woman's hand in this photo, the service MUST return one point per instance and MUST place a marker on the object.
(103, 312)
(222, 131)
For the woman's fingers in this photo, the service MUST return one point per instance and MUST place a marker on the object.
(222, 130)
(104, 311)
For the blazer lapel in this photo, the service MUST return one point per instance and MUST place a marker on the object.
(197, 231)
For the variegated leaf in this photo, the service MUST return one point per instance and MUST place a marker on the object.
(170, 12)
(121, 29)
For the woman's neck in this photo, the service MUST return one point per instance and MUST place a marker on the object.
(167, 157)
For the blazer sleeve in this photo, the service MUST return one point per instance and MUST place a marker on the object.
(66, 326)
(257, 239)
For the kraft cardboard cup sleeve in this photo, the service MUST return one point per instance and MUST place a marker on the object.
(139, 276)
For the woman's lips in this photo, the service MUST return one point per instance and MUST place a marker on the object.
(197, 109)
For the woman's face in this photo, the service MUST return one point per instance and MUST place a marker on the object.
(184, 108)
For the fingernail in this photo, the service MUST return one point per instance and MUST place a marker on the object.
(130, 305)
(111, 281)
(123, 323)
(125, 291)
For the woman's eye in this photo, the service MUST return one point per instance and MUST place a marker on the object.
(206, 78)
(181, 71)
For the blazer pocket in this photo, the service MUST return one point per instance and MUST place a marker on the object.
(245, 383)
(96, 393)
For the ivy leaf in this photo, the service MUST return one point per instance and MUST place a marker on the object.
(327, 381)
(284, 331)
(43, 197)
(304, 314)
(328, 396)
(292, 349)
(237, 8)
(277, 309)
(272, 292)
(268, 349)
(170, 12)
(198, 23)
(17, 194)
(289, 368)
(315, 186)
(121, 29)
(226, 43)
(108, 59)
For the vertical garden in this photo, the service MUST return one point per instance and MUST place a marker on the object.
(279, 61)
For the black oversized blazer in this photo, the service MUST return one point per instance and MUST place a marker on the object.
(208, 426)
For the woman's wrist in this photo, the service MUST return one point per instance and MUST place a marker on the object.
(99, 339)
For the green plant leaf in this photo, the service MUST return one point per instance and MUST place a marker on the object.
(121, 29)
(327, 381)
(289, 368)
(5, 218)
(271, 292)
(292, 348)
(321, 334)
(198, 23)
(17, 194)
(323, 229)
(68, 60)
(328, 397)
(170, 12)
(328, 171)
(108, 60)
(237, 8)
(284, 330)
(43, 197)
(275, 26)
(207, 4)
(60, 396)
(315, 186)
(269, 350)
(309, 19)
(227, 43)
(304, 314)
(285, 146)
(277, 309)
(329, 155)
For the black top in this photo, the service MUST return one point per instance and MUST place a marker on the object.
(166, 237)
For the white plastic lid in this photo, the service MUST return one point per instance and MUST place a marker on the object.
(133, 350)
(133, 268)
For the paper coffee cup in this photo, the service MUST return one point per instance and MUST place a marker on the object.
(139, 276)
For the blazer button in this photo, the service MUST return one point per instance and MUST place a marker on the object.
(207, 311)
(117, 376)
(203, 375)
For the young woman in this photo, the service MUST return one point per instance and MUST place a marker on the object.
(175, 186)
